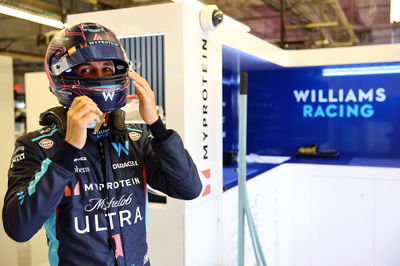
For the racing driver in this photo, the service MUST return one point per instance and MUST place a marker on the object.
(84, 175)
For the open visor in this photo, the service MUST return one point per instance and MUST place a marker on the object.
(94, 52)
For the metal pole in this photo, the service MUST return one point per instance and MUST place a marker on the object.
(243, 202)
(242, 165)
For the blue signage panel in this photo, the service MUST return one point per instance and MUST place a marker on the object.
(349, 109)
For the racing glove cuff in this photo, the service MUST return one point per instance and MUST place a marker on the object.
(159, 131)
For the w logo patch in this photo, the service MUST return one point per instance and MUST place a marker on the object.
(118, 147)
(108, 95)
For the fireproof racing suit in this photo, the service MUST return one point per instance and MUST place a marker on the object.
(93, 201)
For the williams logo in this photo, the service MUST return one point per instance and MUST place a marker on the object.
(134, 136)
(118, 147)
(46, 143)
(341, 103)
(108, 95)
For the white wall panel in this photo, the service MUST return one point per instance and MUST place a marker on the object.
(338, 215)
(38, 98)
(386, 222)
(7, 246)
(264, 202)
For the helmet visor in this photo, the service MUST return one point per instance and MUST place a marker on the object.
(78, 56)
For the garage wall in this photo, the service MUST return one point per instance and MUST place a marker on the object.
(38, 98)
(7, 246)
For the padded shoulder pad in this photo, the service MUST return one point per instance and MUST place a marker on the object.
(56, 115)
(116, 120)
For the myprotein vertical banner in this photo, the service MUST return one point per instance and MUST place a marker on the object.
(203, 103)
(203, 137)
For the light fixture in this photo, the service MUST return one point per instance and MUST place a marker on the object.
(18, 13)
(394, 11)
(362, 70)
(227, 19)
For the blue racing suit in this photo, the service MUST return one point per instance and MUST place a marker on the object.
(93, 201)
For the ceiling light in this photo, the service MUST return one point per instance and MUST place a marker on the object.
(394, 11)
(366, 70)
(18, 13)
(228, 20)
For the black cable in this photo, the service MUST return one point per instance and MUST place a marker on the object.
(283, 30)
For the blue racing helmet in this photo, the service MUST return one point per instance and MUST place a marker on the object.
(82, 43)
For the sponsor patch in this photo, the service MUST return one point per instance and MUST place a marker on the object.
(80, 159)
(102, 133)
(46, 143)
(65, 92)
(120, 148)
(134, 136)
(81, 170)
(125, 164)
(46, 130)
(18, 149)
(17, 158)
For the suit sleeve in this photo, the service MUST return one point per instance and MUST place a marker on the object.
(35, 187)
(170, 168)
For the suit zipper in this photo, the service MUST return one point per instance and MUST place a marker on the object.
(111, 241)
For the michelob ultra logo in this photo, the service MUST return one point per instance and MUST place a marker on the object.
(135, 136)
(46, 143)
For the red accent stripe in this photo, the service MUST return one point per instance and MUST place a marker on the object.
(77, 189)
(144, 184)
(106, 119)
(57, 212)
(206, 173)
(67, 191)
(207, 190)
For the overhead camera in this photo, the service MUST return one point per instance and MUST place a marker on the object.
(210, 17)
